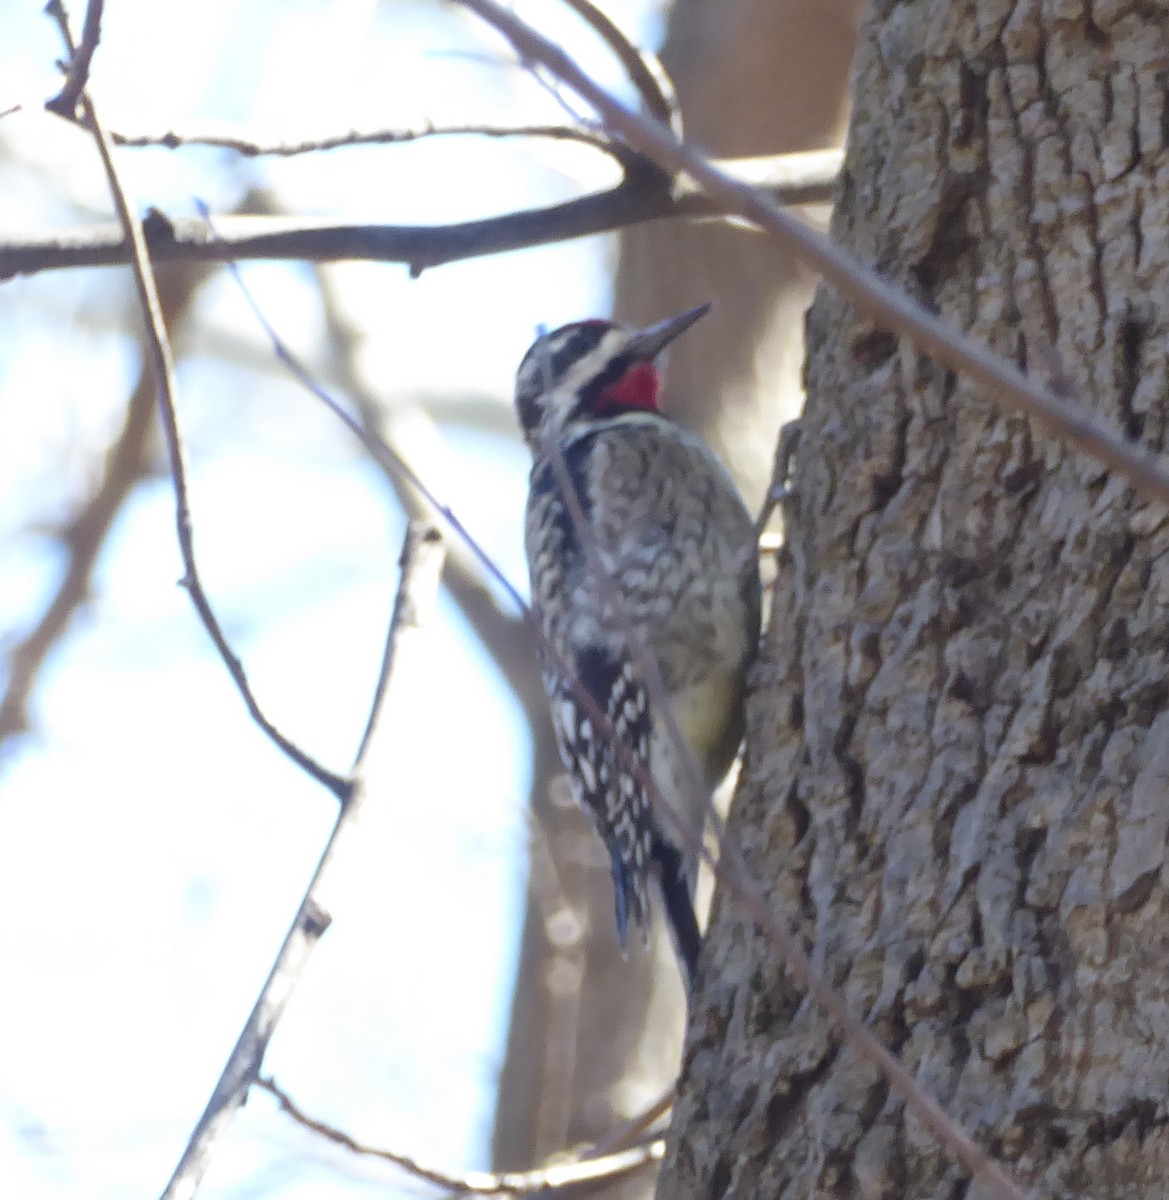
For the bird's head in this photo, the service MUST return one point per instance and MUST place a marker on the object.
(592, 369)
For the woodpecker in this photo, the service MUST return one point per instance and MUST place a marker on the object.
(676, 545)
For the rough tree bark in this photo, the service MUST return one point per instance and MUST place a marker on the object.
(594, 1037)
(958, 756)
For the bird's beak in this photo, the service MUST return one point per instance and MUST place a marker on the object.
(649, 343)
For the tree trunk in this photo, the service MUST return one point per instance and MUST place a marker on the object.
(957, 784)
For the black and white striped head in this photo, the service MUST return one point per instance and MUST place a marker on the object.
(592, 369)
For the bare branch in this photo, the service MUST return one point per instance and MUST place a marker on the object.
(632, 1130)
(645, 71)
(252, 147)
(84, 536)
(243, 1064)
(385, 456)
(799, 179)
(162, 365)
(503, 634)
(422, 558)
(889, 307)
(509, 640)
(64, 104)
(558, 1179)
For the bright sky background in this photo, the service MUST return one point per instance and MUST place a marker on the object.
(153, 845)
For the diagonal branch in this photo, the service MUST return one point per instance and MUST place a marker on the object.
(645, 71)
(422, 558)
(386, 457)
(244, 1062)
(162, 366)
(422, 561)
(504, 636)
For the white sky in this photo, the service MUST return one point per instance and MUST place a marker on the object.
(153, 845)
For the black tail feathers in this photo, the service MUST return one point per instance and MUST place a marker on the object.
(677, 894)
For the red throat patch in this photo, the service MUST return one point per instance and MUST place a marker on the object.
(637, 388)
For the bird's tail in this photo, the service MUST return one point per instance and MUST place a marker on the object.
(677, 896)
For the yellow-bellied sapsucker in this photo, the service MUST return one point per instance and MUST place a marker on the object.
(676, 545)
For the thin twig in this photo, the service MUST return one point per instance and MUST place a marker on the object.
(806, 178)
(645, 71)
(423, 557)
(511, 642)
(888, 307)
(399, 471)
(64, 103)
(558, 1177)
(384, 455)
(502, 632)
(252, 147)
(246, 1057)
(635, 1128)
(162, 365)
(505, 638)
(421, 562)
